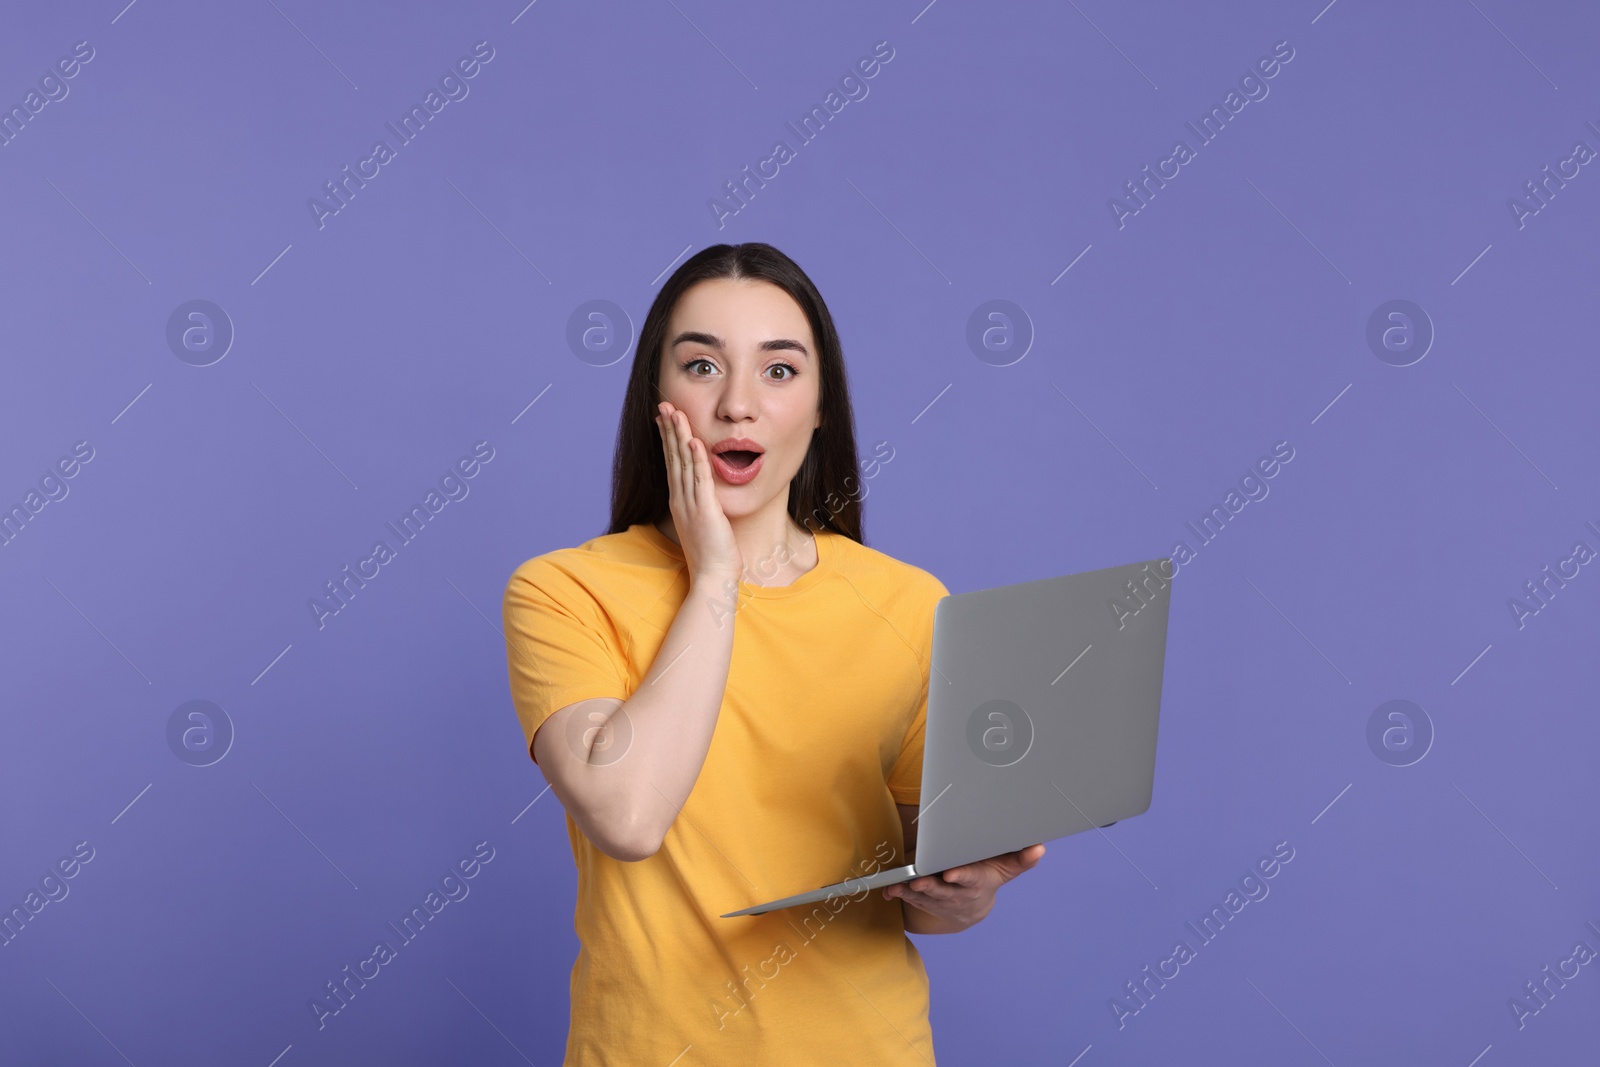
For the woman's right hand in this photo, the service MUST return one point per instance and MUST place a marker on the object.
(704, 533)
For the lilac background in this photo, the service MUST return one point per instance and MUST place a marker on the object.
(430, 313)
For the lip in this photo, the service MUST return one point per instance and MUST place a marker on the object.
(729, 473)
(737, 444)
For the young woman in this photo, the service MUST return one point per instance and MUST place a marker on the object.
(727, 693)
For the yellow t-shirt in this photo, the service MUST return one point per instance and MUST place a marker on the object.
(819, 735)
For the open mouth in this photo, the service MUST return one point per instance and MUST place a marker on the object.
(739, 459)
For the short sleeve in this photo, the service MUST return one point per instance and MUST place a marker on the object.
(905, 778)
(553, 655)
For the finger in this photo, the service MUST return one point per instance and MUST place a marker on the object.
(969, 875)
(932, 888)
(701, 469)
(904, 892)
(934, 900)
(686, 456)
(669, 452)
(679, 467)
(666, 455)
(1027, 858)
(686, 440)
(1014, 863)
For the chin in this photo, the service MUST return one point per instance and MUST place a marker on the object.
(736, 504)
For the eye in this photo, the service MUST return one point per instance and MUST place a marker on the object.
(787, 367)
(689, 366)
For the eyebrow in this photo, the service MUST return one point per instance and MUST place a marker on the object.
(781, 344)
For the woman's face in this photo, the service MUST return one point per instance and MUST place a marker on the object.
(740, 362)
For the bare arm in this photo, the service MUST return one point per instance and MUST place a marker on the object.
(949, 902)
(625, 782)
(625, 773)
(908, 826)
(918, 921)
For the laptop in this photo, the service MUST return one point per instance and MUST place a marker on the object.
(1043, 700)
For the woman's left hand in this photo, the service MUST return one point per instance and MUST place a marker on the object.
(963, 895)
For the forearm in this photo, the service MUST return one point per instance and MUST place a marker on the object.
(920, 922)
(671, 717)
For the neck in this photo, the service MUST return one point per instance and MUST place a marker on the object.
(768, 540)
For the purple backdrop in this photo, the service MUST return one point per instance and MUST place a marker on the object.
(240, 344)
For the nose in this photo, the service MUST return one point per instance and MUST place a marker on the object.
(738, 400)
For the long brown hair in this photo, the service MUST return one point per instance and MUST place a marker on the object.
(826, 491)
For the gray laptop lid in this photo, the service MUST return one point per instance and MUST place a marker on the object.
(1043, 703)
(1043, 699)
